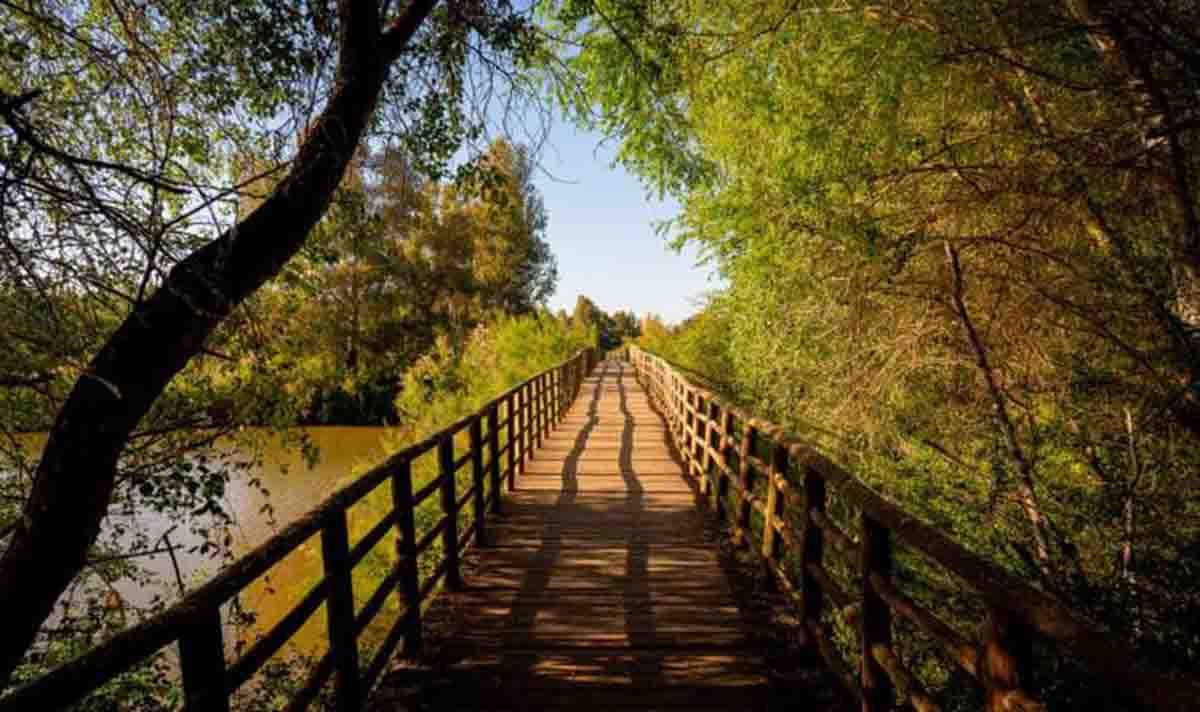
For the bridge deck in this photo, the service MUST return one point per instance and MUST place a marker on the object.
(601, 587)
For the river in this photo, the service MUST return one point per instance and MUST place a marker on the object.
(294, 489)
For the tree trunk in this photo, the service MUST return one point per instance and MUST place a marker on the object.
(75, 477)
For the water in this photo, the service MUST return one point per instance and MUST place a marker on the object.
(294, 489)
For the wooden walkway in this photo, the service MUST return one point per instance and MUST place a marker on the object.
(601, 587)
(605, 586)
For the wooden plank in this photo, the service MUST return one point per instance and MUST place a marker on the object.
(770, 541)
(202, 664)
(493, 444)
(875, 621)
(602, 575)
(406, 555)
(741, 518)
(450, 541)
(339, 609)
(812, 549)
(479, 493)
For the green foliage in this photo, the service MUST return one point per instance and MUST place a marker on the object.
(148, 687)
(134, 133)
(700, 344)
(398, 260)
(456, 379)
(612, 329)
(944, 266)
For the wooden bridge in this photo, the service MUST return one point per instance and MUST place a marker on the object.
(600, 586)
(573, 527)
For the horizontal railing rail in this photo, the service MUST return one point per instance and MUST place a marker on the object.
(523, 414)
(721, 446)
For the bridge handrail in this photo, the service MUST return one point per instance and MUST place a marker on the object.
(530, 409)
(704, 427)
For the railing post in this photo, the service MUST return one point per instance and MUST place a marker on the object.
(812, 544)
(576, 379)
(580, 374)
(550, 414)
(511, 411)
(563, 375)
(770, 537)
(681, 415)
(535, 388)
(685, 418)
(493, 418)
(339, 609)
(703, 436)
(556, 378)
(741, 517)
(567, 376)
(876, 620)
(1007, 657)
(531, 404)
(689, 422)
(450, 507)
(725, 447)
(712, 434)
(479, 499)
(202, 664)
(522, 427)
(540, 416)
(406, 555)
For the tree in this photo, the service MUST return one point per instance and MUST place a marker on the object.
(110, 156)
(626, 325)
(513, 265)
(589, 316)
(958, 239)
(456, 253)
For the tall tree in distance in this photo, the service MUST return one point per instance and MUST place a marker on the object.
(626, 325)
(514, 268)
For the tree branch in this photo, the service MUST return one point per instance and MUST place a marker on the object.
(396, 37)
(8, 109)
(1026, 493)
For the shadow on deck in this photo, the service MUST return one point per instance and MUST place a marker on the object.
(604, 585)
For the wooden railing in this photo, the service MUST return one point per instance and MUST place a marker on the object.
(522, 415)
(747, 465)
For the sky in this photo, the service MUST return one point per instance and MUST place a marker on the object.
(601, 230)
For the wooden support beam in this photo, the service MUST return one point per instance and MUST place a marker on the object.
(479, 498)
(406, 557)
(522, 429)
(771, 514)
(1006, 665)
(812, 542)
(450, 508)
(741, 518)
(339, 609)
(876, 620)
(493, 441)
(202, 663)
(725, 449)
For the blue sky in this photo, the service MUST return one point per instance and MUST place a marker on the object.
(602, 232)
